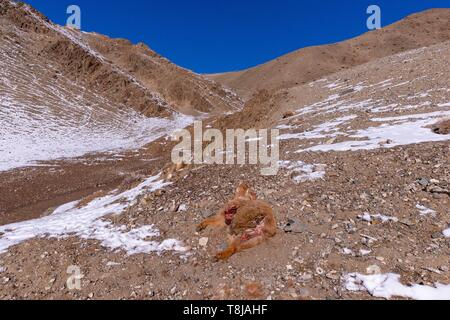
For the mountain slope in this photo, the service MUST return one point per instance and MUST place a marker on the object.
(361, 198)
(363, 188)
(60, 96)
(188, 91)
(309, 64)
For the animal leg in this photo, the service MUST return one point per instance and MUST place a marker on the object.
(227, 253)
(216, 221)
(239, 245)
(253, 242)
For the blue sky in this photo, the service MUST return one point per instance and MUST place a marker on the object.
(210, 36)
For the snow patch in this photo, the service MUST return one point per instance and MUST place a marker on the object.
(86, 223)
(424, 211)
(302, 172)
(326, 129)
(45, 118)
(447, 233)
(347, 251)
(369, 218)
(402, 132)
(389, 285)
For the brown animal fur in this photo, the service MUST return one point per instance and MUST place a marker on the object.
(249, 221)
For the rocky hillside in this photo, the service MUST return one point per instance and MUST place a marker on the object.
(361, 197)
(189, 92)
(309, 64)
(109, 66)
(361, 200)
(65, 93)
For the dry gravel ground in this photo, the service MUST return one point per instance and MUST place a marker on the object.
(305, 264)
(322, 235)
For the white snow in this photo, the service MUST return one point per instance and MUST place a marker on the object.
(323, 130)
(424, 211)
(405, 130)
(46, 118)
(302, 172)
(369, 218)
(413, 116)
(389, 285)
(26, 138)
(447, 233)
(347, 251)
(42, 119)
(87, 223)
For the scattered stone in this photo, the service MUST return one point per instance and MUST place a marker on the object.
(408, 222)
(320, 271)
(333, 275)
(295, 226)
(288, 114)
(304, 293)
(373, 269)
(436, 235)
(438, 190)
(364, 196)
(433, 270)
(347, 91)
(203, 242)
(254, 290)
(423, 182)
(442, 127)
(305, 277)
(292, 293)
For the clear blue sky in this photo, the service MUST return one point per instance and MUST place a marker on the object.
(210, 36)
